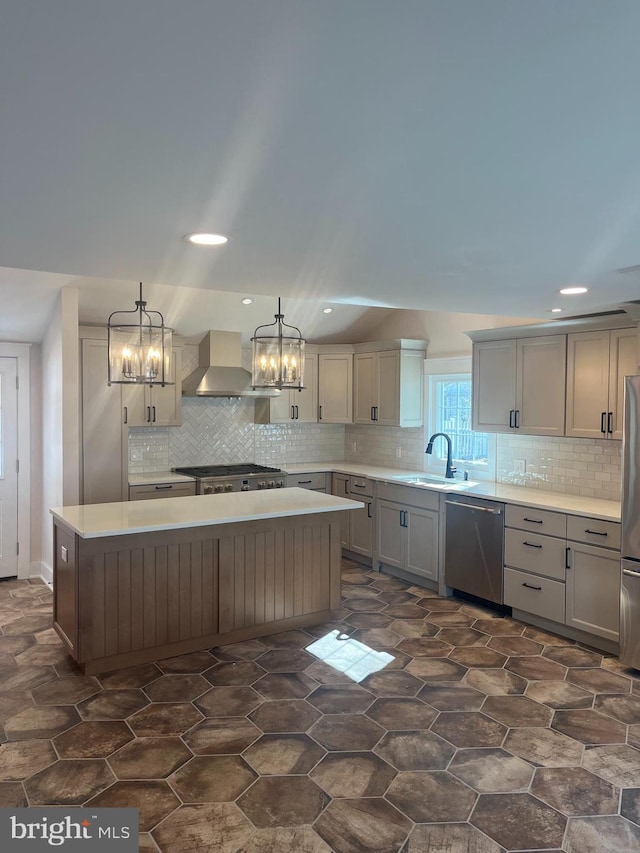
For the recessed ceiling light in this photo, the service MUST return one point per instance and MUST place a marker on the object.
(572, 291)
(327, 310)
(247, 300)
(556, 310)
(201, 238)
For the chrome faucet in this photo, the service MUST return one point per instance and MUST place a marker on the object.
(450, 471)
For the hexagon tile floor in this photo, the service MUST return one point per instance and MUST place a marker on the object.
(478, 735)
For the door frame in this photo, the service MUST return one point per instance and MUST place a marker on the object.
(22, 354)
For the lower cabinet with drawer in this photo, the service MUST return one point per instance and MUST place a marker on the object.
(151, 491)
(534, 594)
(593, 590)
(316, 481)
(407, 529)
(356, 527)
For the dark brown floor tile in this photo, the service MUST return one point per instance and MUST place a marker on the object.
(349, 592)
(414, 628)
(573, 656)
(177, 688)
(620, 707)
(12, 796)
(353, 774)
(41, 655)
(515, 646)
(228, 702)
(301, 839)
(356, 579)
(618, 764)
(285, 660)
(17, 644)
(286, 640)
(633, 736)
(132, 676)
(376, 638)
(93, 739)
(171, 718)
(599, 680)
(370, 825)
(285, 715)
(392, 683)
(491, 771)
(463, 637)
(68, 668)
(559, 694)
(149, 758)
(516, 711)
(449, 838)
(397, 597)
(575, 791)
(406, 611)
(399, 659)
(589, 727)
(431, 797)
(364, 621)
(499, 627)
(348, 732)
(630, 804)
(234, 672)
(326, 674)
(341, 699)
(399, 714)
(154, 800)
(41, 722)
(285, 685)
(219, 827)
(536, 668)
(29, 624)
(363, 605)
(451, 620)
(212, 779)
(601, 835)
(284, 754)
(518, 821)
(436, 669)
(247, 650)
(283, 801)
(26, 678)
(417, 750)
(13, 702)
(425, 647)
(496, 682)
(315, 632)
(544, 747)
(112, 704)
(452, 697)
(222, 736)
(476, 657)
(48, 637)
(545, 637)
(384, 583)
(65, 691)
(22, 759)
(68, 783)
(441, 605)
(469, 728)
(194, 662)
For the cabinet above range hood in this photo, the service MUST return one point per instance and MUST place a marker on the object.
(220, 372)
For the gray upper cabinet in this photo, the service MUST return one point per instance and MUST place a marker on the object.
(387, 387)
(335, 387)
(597, 363)
(519, 385)
(293, 406)
(153, 405)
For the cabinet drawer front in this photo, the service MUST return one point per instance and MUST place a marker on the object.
(422, 498)
(606, 534)
(536, 520)
(318, 480)
(534, 594)
(543, 555)
(361, 486)
(161, 490)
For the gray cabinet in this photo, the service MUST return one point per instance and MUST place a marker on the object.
(593, 590)
(155, 405)
(407, 529)
(387, 387)
(293, 406)
(316, 481)
(153, 491)
(335, 387)
(356, 526)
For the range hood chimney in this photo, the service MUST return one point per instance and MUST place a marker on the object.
(220, 372)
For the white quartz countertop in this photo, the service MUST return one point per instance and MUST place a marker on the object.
(158, 478)
(118, 519)
(605, 510)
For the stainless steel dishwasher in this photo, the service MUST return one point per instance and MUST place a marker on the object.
(474, 546)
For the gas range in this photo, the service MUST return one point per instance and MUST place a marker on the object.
(215, 479)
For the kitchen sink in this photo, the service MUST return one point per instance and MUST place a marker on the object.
(435, 480)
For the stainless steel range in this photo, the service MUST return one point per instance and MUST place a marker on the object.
(214, 479)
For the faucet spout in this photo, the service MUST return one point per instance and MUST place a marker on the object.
(449, 470)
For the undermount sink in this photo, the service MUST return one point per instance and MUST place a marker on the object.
(435, 480)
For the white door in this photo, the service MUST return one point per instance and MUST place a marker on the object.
(8, 468)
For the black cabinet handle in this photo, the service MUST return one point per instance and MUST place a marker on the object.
(531, 545)
(511, 419)
(403, 518)
(346, 485)
(603, 419)
(148, 414)
(126, 414)
(530, 586)
(297, 413)
(319, 413)
(163, 488)
(533, 520)
(154, 413)
(375, 409)
(596, 532)
(306, 482)
(610, 422)
(368, 510)
(516, 422)
(567, 554)
(292, 415)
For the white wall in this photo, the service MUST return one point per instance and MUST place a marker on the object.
(60, 415)
(35, 545)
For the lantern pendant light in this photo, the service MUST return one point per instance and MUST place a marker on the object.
(139, 347)
(278, 355)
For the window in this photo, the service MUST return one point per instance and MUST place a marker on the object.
(448, 401)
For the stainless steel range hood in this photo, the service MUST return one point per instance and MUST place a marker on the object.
(220, 372)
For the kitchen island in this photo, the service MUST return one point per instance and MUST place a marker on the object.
(145, 580)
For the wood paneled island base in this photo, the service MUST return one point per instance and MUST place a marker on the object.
(121, 600)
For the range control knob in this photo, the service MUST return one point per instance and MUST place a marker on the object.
(280, 484)
(207, 490)
(271, 484)
(262, 484)
(218, 489)
(244, 487)
(228, 487)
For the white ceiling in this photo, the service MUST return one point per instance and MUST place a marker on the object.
(444, 155)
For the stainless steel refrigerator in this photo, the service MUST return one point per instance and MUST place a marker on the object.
(630, 572)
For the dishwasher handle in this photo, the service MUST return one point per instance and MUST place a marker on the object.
(475, 506)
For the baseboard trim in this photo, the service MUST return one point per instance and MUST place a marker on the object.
(39, 569)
